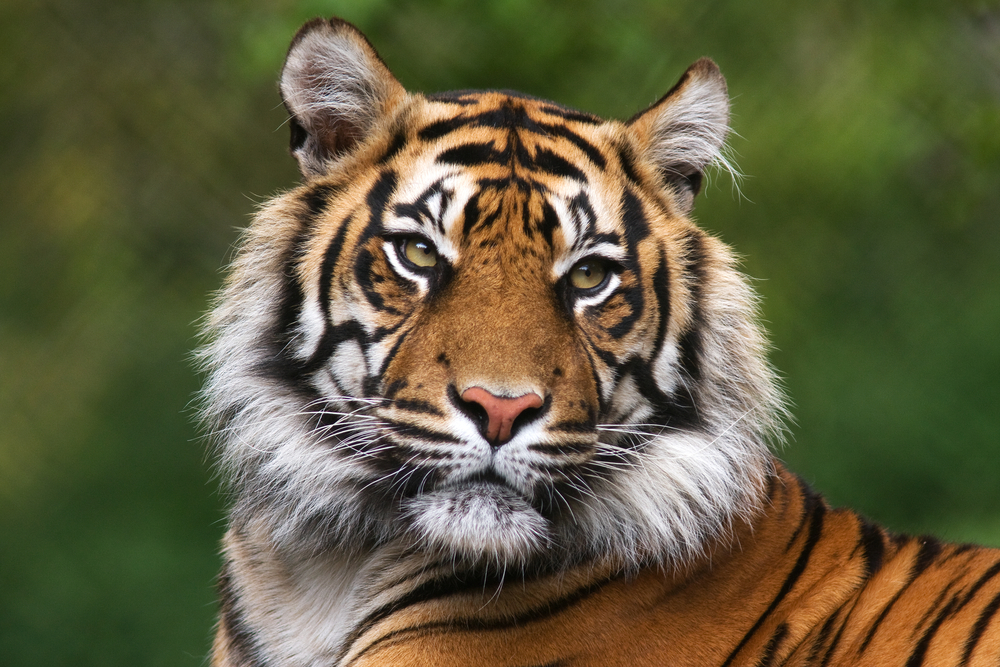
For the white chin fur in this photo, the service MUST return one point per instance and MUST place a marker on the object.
(482, 522)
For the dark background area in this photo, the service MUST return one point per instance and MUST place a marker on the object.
(137, 138)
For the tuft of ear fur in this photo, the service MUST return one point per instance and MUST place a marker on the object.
(336, 89)
(686, 129)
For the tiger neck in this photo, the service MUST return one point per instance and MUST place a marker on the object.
(764, 567)
(377, 608)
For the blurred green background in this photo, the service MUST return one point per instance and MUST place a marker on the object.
(137, 137)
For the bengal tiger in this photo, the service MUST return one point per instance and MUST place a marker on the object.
(485, 395)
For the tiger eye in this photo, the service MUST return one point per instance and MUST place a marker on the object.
(420, 252)
(588, 274)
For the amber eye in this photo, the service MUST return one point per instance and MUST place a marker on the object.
(588, 274)
(419, 252)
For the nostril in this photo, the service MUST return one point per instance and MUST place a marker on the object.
(502, 412)
(474, 411)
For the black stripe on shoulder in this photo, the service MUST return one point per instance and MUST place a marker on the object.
(916, 658)
(242, 646)
(815, 533)
(980, 627)
(934, 606)
(836, 638)
(872, 542)
(809, 501)
(929, 550)
(982, 581)
(767, 657)
(821, 637)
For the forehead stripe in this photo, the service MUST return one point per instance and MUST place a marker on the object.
(473, 154)
(551, 163)
(591, 151)
(521, 122)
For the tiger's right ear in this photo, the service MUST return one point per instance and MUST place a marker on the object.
(336, 89)
(685, 131)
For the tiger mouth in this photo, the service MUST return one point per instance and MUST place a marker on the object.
(485, 482)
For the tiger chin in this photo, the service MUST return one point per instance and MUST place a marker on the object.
(485, 395)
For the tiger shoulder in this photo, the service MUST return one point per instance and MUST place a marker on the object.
(483, 394)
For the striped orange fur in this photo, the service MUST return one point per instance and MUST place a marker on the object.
(485, 395)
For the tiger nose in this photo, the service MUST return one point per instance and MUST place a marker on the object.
(501, 411)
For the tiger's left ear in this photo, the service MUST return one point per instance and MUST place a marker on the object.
(686, 129)
(336, 89)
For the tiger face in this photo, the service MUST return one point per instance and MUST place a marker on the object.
(484, 327)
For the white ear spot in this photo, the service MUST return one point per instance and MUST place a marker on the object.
(336, 88)
(685, 131)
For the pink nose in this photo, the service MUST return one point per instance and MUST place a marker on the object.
(501, 411)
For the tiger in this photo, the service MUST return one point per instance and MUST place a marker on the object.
(484, 394)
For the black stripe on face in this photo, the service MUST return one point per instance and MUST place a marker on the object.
(470, 214)
(815, 521)
(463, 98)
(571, 114)
(583, 216)
(588, 148)
(661, 289)
(417, 406)
(634, 220)
(281, 364)
(425, 434)
(636, 302)
(420, 211)
(549, 162)
(549, 222)
(627, 163)
(396, 145)
(676, 410)
(691, 341)
(473, 155)
(335, 335)
(242, 644)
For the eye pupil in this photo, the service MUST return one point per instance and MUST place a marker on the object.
(420, 252)
(588, 274)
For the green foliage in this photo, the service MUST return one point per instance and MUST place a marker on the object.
(137, 137)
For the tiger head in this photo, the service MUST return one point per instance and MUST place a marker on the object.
(485, 327)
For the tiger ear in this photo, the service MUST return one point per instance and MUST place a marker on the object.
(686, 129)
(336, 89)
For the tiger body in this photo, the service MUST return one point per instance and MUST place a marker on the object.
(486, 395)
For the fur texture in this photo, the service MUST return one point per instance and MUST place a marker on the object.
(448, 261)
